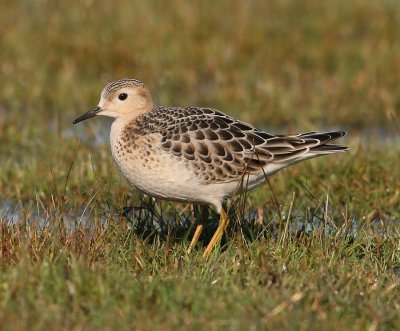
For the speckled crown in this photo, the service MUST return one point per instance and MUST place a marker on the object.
(118, 84)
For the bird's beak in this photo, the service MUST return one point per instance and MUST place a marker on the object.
(87, 115)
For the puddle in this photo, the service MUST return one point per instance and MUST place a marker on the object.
(146, 219)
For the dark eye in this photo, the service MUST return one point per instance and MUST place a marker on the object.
(122, 96)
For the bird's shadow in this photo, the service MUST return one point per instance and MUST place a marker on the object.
(153, 223)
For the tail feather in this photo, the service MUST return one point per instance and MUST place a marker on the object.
(325, 138)
(329, 149)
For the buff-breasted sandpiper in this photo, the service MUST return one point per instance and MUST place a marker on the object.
(194, 154)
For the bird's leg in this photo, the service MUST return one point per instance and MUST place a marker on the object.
(223, 224)
(199, 228)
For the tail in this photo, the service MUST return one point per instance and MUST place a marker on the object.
(324, 139)
(303, 146)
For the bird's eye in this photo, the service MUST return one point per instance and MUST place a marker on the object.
(122, 96)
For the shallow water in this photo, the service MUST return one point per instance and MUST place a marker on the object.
(146, 219)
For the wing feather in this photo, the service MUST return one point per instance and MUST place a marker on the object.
(219, 148)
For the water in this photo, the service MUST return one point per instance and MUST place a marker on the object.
(147, 219)
(150, 221)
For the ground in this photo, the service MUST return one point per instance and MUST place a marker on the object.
(73, 255)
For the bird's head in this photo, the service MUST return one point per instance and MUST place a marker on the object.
(126, 98)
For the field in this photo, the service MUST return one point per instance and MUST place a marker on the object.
(317, 247)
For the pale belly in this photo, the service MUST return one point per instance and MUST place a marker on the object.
(158, 177)
(166, 178)
(163, 176)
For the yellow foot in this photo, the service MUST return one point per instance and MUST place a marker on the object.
(223, 224)
(199, 228)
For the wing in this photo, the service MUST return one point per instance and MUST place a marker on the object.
(219, 148)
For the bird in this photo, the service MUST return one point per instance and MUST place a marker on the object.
(196, 155)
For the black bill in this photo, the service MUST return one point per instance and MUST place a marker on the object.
(87, 115)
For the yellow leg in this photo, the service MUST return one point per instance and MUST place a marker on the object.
(199, 228)
(223, 224)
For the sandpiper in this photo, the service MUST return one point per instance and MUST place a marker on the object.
(195, 154)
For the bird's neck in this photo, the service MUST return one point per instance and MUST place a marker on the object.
(124, 126)
(117, 128)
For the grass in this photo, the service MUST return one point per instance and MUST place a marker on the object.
(282, 65)
(110, 277)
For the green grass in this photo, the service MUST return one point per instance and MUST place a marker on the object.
(282, 65)
(110, 277)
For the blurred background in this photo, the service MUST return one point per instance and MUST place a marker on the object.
(305, 64)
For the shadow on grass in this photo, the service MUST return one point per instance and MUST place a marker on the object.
(152, 222)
